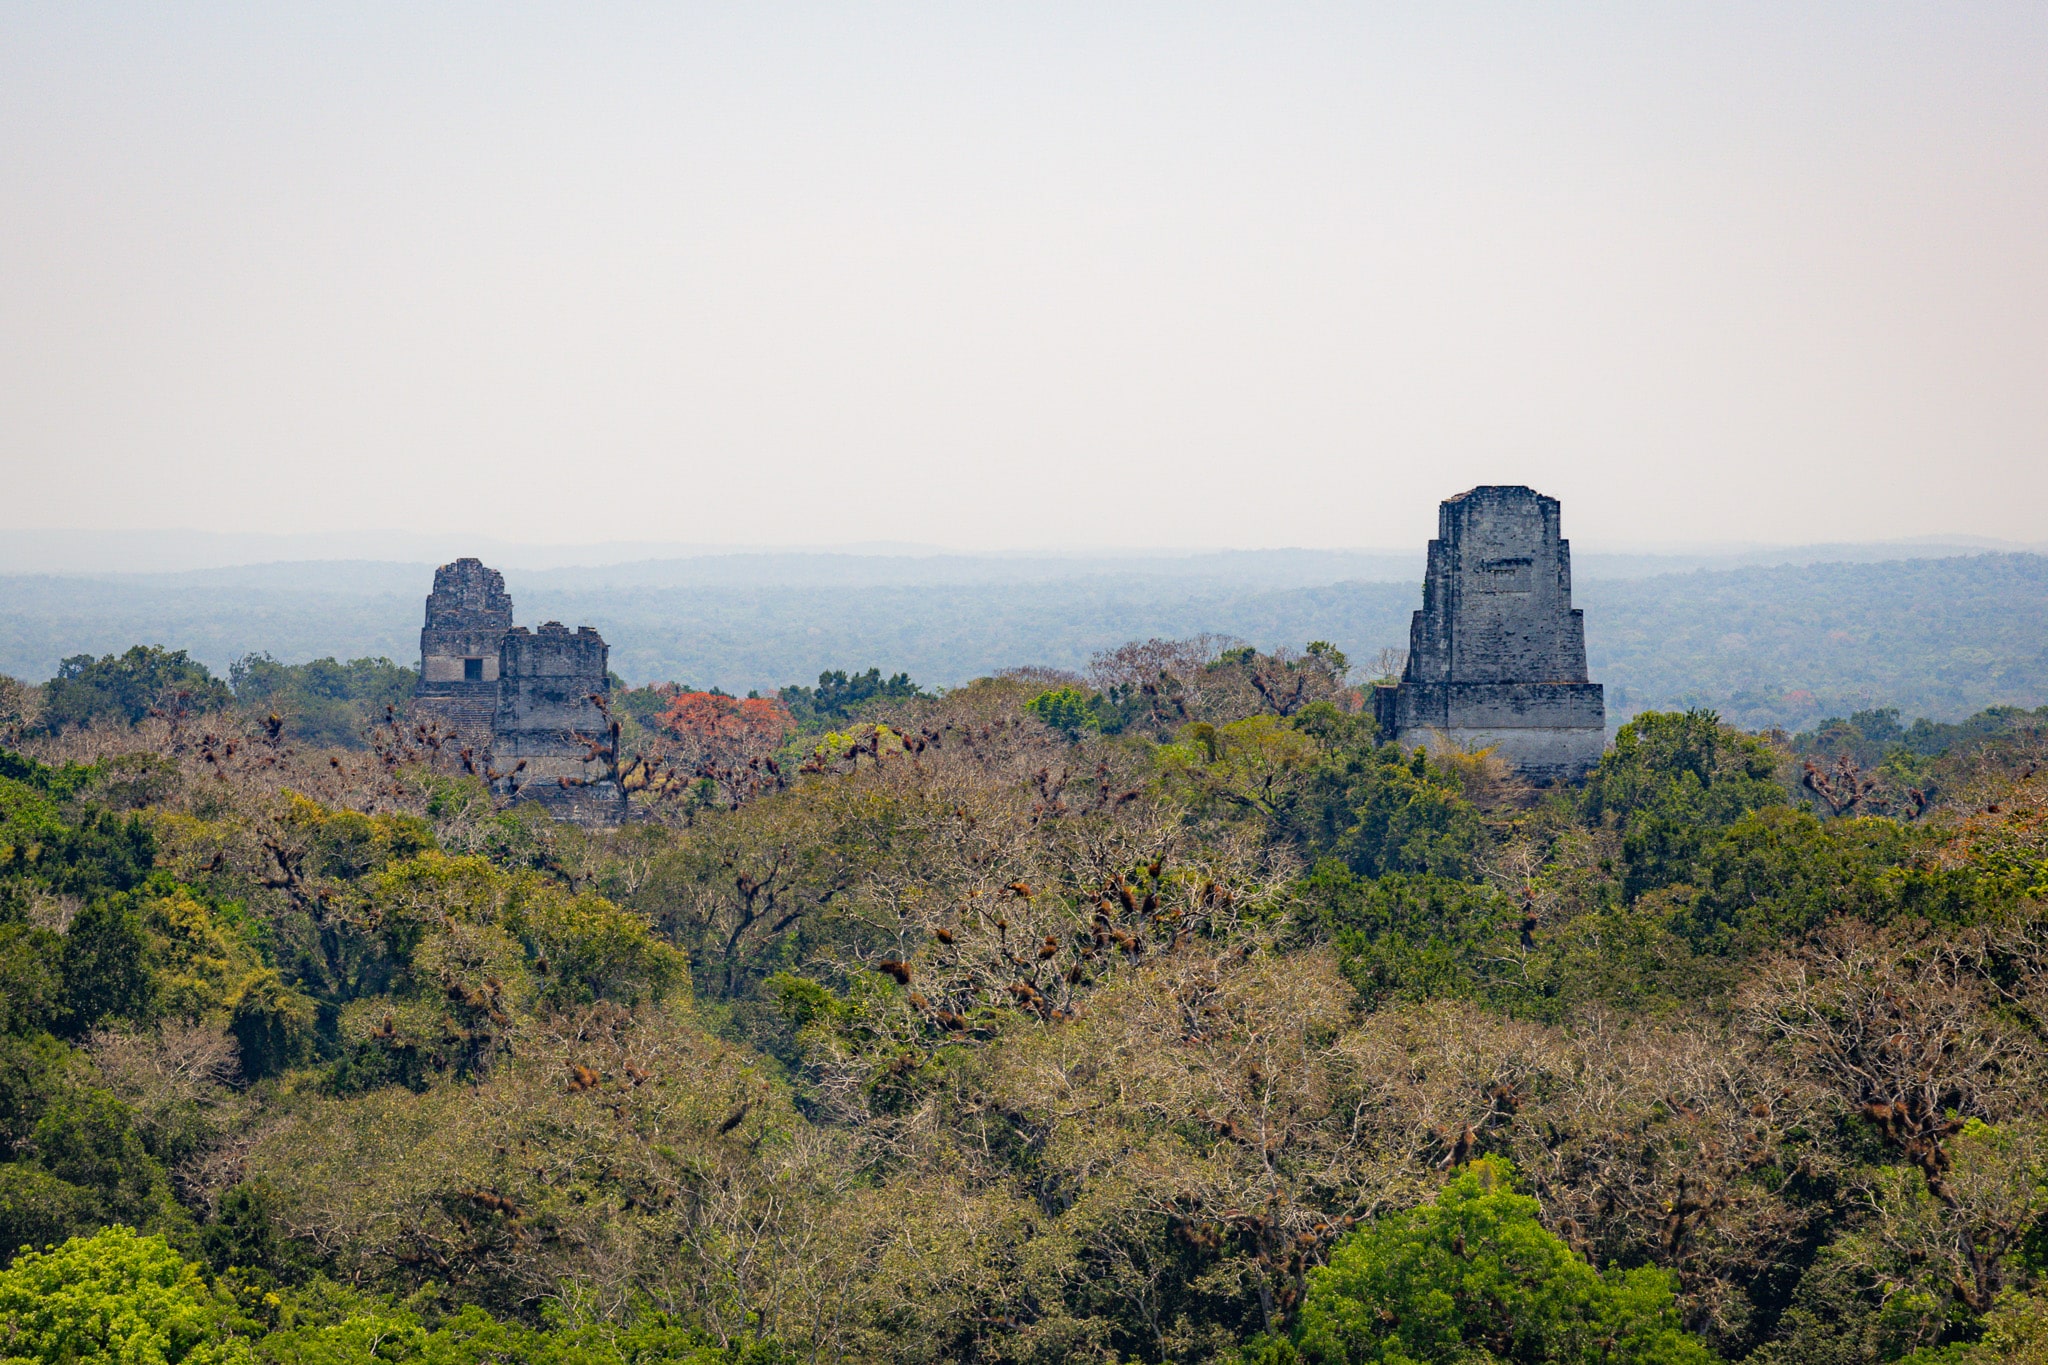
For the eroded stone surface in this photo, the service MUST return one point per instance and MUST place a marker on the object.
(468, 614)
(530, 702)
(1497, 655)
(551, 727)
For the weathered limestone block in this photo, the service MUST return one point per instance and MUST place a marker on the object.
(1497, 655)
(551, 729)
(468, 614)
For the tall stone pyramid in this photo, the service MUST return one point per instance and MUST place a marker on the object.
(1497, 655)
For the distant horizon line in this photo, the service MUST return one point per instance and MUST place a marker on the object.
(617, 551)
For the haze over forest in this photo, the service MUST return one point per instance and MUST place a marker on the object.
(1769, 636)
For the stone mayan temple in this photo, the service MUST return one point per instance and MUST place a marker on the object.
(1497, 655)
(530, 701)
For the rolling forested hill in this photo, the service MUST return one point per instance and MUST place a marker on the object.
(1767, 646)
(1939, 638)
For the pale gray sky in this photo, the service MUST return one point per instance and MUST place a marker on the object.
(1031, 275)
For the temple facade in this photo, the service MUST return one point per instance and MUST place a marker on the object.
(531, 703)
(468, 613)
(552, 734)
(1497, 655)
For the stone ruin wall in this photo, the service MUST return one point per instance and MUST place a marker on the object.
(1497, 655)
(468, 613)
(551, 714)
(527, 701)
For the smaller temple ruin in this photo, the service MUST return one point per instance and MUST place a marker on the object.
(552, 733)
(532, 703)
(1497, 655)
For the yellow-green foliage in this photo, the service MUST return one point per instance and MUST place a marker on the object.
(201, 968)
(580, 947)
(1244, 763)
(595, 950)
(115, 1296)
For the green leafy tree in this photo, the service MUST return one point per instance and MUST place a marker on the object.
(1474, 1277)
(116, 1296)
(1256, 764)
(31, 990)
(839, 695)
(105, 965)
(100, 853)
(31, 1073)
(1065, 709)
(38, 1209)
(1777, 873)
(127, 687)
(377, 1334)
(88, 1139)
(324, 701)
(1378, 809)
(1413, 938)
(274, 1026)
(61, 780)
(36, 1206)
(1670, 783)
(53, 840)
(596, 951)
(319, 862)
(245, 1236)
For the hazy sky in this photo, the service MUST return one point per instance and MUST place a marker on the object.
(1035, 275)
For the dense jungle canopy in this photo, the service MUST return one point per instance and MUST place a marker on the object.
(1152, 1012)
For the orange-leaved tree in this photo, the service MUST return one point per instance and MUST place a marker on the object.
(729, 742)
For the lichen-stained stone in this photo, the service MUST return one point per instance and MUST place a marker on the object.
(1497, 655)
